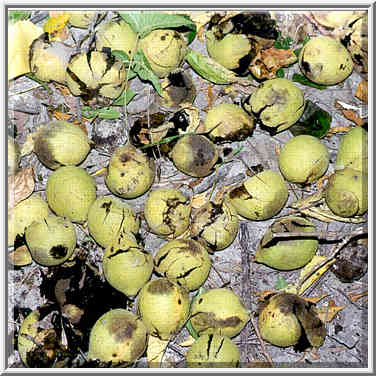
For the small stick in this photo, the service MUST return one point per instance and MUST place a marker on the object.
(334, 254)
(266, 354)
(328, 235)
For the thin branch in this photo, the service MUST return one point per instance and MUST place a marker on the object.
(333, 255)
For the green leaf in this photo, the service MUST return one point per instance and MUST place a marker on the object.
(315, 122)
(166, 140)
(305, 81)
(140, 66)
(235, 152)
(209, 69)
(143, 22)
(125, 97)
(18, 15)
(188, 325)
(281, 283)
(283, 43)
(102, 113)
(280, 73)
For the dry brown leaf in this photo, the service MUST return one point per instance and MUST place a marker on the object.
(20, 36)
(362, 91)
(199, 200)
(320, 182)
(267, 62)
(327, 314)
(335, 130)
(155, 351)
(193, 183)
(28, 145)
(262, 295)
(355, 297)
(20, 186)
(354, 117)
(316, 299)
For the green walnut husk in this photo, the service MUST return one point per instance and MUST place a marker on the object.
(303, 159)
(167, 212)
(217, 224)
(228, 51)
(347, 193)
(51, 241)
(177, 89)
(356, 42)
(183, 261)
(195, 155)
(108, 217)
(228, 122)
(126, 266)
(119, 337)
(60, 143)
(13, 156)
(260, 197)
(277, 103)
(165, 50)
(34, 208)
(164, 307)
(325, 61)
(37, 346)
(49, 59)
(287, 253)
(130, 172)
(218, 311)
(116, 35)
(70, 192)
(95, 75)
(284, 319)
(82, 20)
(213, 351)
(353, 150)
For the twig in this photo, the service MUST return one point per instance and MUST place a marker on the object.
(327, 235)
(265, 352)
(333, 255)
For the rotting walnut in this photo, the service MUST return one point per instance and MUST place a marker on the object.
(167, 212)
(130, 172)
(217, 224)
(183, 261)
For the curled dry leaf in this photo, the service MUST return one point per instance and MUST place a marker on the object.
(155, 351)
(354, 117)
(267, 62)
(362, 91)
(20, 186)
(28, 145)
(20, 37)
(327, 314)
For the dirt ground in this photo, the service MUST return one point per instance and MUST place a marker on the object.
(346, 342)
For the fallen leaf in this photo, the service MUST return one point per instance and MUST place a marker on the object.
(267, 62)
(199, 200)
(20, 186)
(355, 297)
(20, 36)
(28, 145)
(65, 116)
(335, 130)
(362, 91)
(327, 314)
(20, 256)
(354, 117)
(63, 89)
(101, 171)
(264, 295)
(316, 260)
(56, 26)
(187, 342)
(155, 351)
(315, 299)
(193, 183)
(210, 96)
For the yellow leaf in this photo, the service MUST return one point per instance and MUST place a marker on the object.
(55, 26)
(327, 314)
(20, 36)
(187, 342)
(28, 145)
(155, 351)
(309, 268)
(99, 172)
